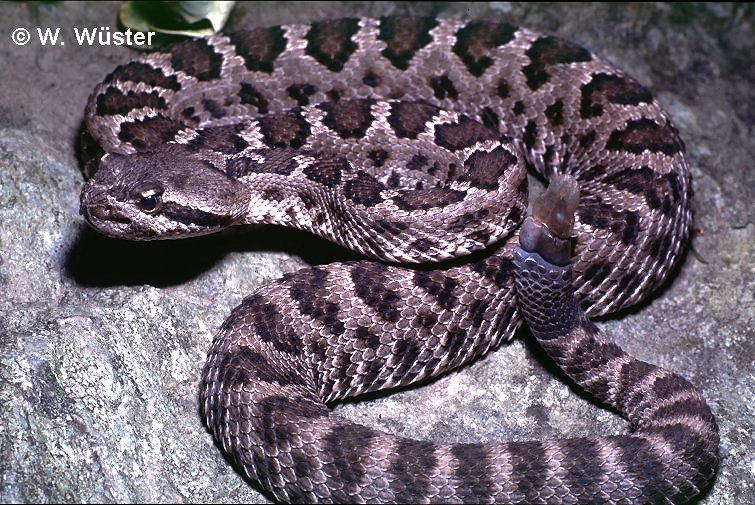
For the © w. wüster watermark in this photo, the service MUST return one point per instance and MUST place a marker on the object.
(98, 36)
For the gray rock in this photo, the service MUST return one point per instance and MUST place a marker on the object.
(102, 341)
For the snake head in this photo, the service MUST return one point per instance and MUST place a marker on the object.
(163, 194)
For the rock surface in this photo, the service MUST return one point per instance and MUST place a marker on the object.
(102, 341)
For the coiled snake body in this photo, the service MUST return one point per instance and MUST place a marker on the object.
(406, 140)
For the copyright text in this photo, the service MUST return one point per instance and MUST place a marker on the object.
(101, 36)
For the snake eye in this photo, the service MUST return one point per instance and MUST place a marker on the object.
(149, 201)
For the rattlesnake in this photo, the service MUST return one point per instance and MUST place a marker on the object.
(406, 139)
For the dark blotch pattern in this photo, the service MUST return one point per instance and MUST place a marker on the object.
(371, 79)
(631, 374)
(408, 352)
(329, 42)
(346, 444)
(555, 113)
(250, 96)
(490, 119)
(477, 313)
(348, 118)
(277, 195)
(327, 171)
(530, 135)
(646, 135)
(443, 87)
(141, 72)
(371, 283)
(661, 191)
(306, 288)
(149, 132)
(514, 215)
(597, 272)
(628, 284)
(528, 462)
(363, 189)
(582, 472)
(410, 469)
(475, 41)
(426, 199)
(222, 139)
(188, 114)
(418, 162)
(547, 51)
(588, 139)
(629, 228)
(275, 419)
(661, 247)
(301, 93)
(439, 286)
(462, 134)
(197, 59)
(333, 95)
(286, 129)
(113, 101)
(266, 320)
(408, 119)
(276, 407)
(590, 354)
(606, 88)
(649, 469)
(378, 156)
(502, 90)
(472, 474)
(240, 167)
(259, 47)
(423, 244)
(594, 212)
(635, 181)
(497, 269)
(214, 108)
(392, 227)
(245, 366)
(687, 407)
(403, 37)
(461, 223)
(484, 169)
(523, 188)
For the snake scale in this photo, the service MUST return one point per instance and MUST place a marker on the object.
(407, 140)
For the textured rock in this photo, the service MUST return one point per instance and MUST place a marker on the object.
(102, 341)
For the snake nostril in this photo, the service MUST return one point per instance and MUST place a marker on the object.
(103, 212)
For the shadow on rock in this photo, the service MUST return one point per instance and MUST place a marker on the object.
(99, 261)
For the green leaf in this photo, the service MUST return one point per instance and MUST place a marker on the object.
(193, 19)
